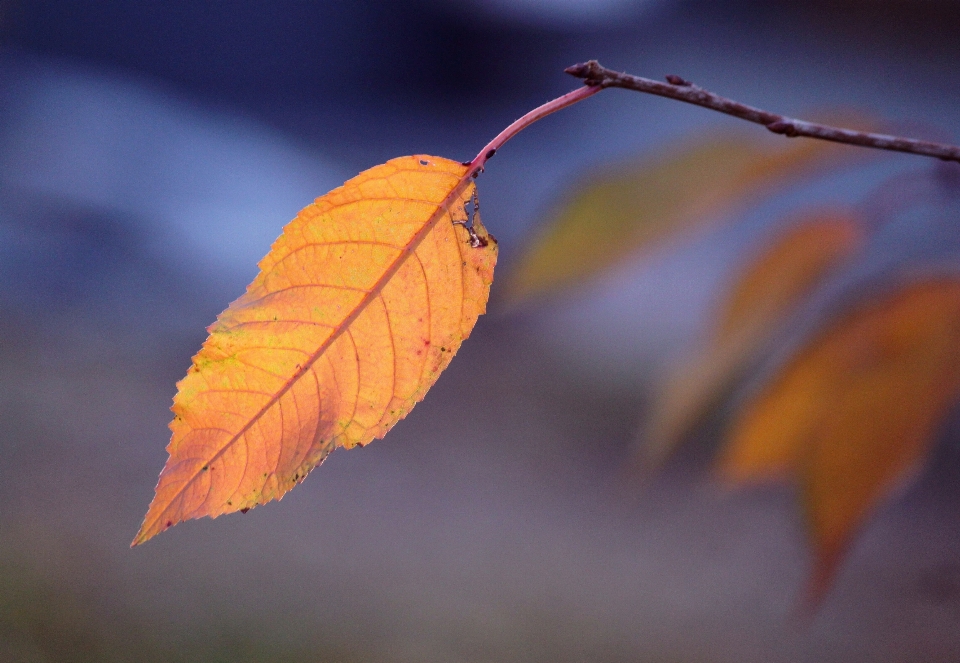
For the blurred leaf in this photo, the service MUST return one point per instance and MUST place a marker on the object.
(773, 284)
(358, 307)
(855, 412)
(787, 270)
(631, 208)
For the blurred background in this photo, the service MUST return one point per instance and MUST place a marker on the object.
(150, 152)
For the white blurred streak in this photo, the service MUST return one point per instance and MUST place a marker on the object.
(566, 13)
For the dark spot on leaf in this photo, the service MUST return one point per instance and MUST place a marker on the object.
(491, 153)
(244, 510)
(204, 468)
(424, 162)
(169, 523)
(442, 349)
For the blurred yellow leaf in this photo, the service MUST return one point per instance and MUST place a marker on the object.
(771, 286)
(630, 208)
(855, 412)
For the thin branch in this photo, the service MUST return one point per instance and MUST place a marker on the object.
(595, 75)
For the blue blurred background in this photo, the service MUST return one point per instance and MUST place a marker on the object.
(150, 152)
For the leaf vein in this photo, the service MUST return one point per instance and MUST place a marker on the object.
(393, 352)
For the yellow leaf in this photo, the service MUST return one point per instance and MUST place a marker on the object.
(770, 288)
(629, 209)
(358, 307)
(855, 413)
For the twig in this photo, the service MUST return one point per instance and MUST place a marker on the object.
(596, 75)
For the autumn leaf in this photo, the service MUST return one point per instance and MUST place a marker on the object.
(788, 269)
(775, 282)
(629, 209)
(358, 307)
(855, 413)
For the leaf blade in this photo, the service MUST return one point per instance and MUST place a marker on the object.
(784, 270)
(882, 424)
(330, 345)
(635, 208)
(854, 414)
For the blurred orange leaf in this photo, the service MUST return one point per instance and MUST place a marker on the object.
(631, 208)
(855, 412)
(772, 285)
(358, 307)
(788, 269)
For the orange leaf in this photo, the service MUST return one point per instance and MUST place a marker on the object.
(358, 307)
(856, 412)
(771, 287)
(787, 270)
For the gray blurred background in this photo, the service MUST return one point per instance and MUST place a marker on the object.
(149, 154)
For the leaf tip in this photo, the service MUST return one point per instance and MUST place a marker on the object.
(819, 583)
(154, 522)
(142, 537)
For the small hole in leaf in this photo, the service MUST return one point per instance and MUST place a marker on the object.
(424, 162)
